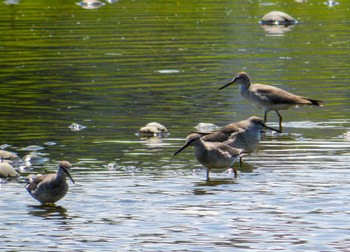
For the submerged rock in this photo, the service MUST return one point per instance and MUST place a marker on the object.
(206, 127)
(33, 159)
(331, 3)
(277, 18)
(153, 129)
(76, 127)
(7, 171)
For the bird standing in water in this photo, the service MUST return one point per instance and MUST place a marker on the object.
(50, 188)
(244, 135)
(269, 98)
(212, 154)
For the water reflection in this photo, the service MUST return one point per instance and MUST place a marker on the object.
(277, 30)
(49, 212)
(213, 183)
(246, 167)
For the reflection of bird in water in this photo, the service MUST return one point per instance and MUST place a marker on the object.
(49, 211)
(212, 154)
(269, 98)
(50, 188)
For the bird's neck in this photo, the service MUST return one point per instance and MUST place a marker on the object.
(244, 89)
(61, 173)
(199, 146)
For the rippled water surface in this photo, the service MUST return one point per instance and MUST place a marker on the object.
(115, 68)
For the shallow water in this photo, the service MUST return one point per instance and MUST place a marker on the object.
(118, 67)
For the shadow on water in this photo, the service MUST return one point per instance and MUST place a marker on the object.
(246, 167)
(49, 211)
(243, 168)
(213, 182)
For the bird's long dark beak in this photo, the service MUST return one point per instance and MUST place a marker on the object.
(182, 148)
(272, 129)
(228, 84)
(67, 172)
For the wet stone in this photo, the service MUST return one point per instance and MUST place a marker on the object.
(277, 18)
(7, 171)
(153, 129)
(9, 157)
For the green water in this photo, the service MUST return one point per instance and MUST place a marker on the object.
(118, 67)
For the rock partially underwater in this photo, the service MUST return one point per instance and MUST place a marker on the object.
(277, 18)
(153, 129)
(10, 157)
(7, 171)
(90, 4)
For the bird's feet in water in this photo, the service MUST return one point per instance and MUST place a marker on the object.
(232, 171)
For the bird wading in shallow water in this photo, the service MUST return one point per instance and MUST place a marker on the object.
(212, 155)
(49, 188)
(249, 129)
(269, 98)
(244, 135)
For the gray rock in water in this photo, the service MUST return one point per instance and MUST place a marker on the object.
(277, 18)
(7, 171)
(76, 127)
(10, 157)
(153, 129)
(90, 4)
(33, 159)
(206, 127)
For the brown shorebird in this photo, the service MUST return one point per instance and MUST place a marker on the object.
(212, 155)
(269, 98)
(50, 188)
(245, 135)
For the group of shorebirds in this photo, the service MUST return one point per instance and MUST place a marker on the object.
(221, 149)
(218, 149)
